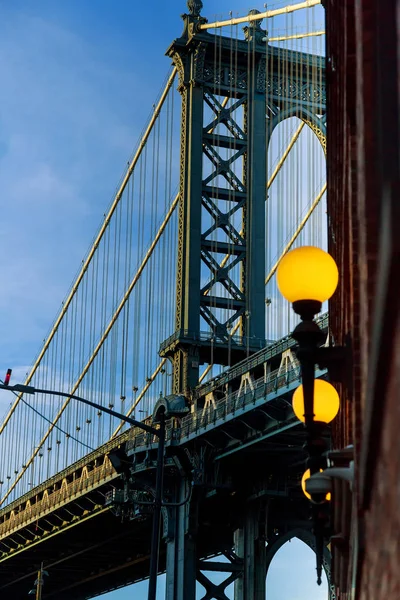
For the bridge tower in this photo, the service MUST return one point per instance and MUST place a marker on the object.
(218, 499)
(220, 264)
(234, 93)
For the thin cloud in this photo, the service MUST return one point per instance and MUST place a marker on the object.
(64, 139)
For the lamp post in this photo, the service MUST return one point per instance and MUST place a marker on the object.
(37, 590)
(307, 277)
(160, 433)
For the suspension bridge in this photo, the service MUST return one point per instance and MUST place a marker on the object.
(176, 305)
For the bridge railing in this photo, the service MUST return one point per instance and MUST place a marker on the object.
(221, 409)
(214, 337)
(233, 402)
(264, 355)
(65, 473)
(191, 424)
(50, 500)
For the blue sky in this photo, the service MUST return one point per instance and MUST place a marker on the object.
(79, 78)
(291, 576)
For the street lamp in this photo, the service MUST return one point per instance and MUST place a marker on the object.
(307, 277)
(306, 477)
(326, 402)
(160, 433)
(37, 590)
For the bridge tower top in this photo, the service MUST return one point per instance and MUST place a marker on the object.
(222, 193)
(194, 7)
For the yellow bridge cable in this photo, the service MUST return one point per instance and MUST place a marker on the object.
(140, 396)
(296, 233)
(89, 257)
(291, 241)
(99, 344)
(205, 373)
(270, 182)
(297, 36)
(285, 154)
(263, 15)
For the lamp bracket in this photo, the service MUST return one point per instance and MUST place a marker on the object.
(120, 461)
(308, 335)
(341, 457)
(340, 541)
(336, 359)
(307, 309)
(321, 483)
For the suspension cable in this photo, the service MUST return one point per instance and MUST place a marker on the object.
(297, 36)
(93, 249)
(296, 233)
(257, 17)
(98, 346)
(140, 396)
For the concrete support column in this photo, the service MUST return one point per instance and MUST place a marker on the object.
(250, 547)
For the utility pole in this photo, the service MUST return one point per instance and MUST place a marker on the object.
(39, 583)
(159, 433)
(37, 590)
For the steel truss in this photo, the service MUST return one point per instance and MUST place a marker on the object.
(233, 568)
(234, 94)
(222, 205)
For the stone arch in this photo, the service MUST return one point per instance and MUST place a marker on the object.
(307, 538)
(316, 124)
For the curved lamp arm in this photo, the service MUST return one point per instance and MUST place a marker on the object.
(321, 483)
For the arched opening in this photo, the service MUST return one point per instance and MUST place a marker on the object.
(296, 202)
(291, 574)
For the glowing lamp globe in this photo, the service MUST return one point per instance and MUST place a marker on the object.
(326, 402)
(307, 273)
(306, 475)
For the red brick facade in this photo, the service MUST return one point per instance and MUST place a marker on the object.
(363, 47)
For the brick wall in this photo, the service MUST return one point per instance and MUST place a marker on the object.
(342, 198)
(364, 227)
(380, 574)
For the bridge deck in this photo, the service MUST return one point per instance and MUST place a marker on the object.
(234, 426)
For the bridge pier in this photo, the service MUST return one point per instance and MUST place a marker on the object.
(181, 566)
(250, 547)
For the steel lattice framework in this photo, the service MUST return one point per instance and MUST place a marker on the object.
(233, 97)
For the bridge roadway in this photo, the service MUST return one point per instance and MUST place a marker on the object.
(242, 443)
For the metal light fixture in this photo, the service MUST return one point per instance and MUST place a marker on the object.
(164, 410)
(304, 479)
(326, 402)
(307, 277)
